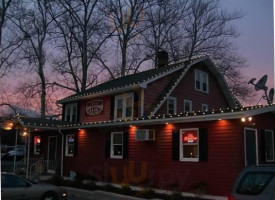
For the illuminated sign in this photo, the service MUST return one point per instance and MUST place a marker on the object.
(190, 136)
(70, 139)
(94, 107)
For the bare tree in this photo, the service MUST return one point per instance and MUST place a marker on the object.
(32, 20)
(164, 18)
(127, 20)
(80, 32)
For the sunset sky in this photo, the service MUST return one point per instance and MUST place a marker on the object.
(256, 40)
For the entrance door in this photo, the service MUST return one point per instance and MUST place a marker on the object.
(52, 148)
(251, 146)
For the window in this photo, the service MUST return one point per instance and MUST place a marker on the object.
(204, 107)
(37, 145)
(70, 144)
(124, 106)
(201, 81)
(187, 106)
(269, 146)
(189, 145)
(253, 183)
(71, 112)
(171, 105)
(117, 145)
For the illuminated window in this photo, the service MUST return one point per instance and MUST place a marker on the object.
(124, 106)
(187, 106)
(269, 146)
(204, 107)
(189, 145)
(117, 145)
(71, 112)
(201, 81)
(171, 105)
(37, 145)
(70, 144)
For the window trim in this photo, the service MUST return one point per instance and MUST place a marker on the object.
(67, 147)
(71, 105)
(174, 99)
(272, 145)
(200, 80)
(181, 146)
(190, 105)
(112, 149)
(124, 104)
(206, 105)
(35, 144)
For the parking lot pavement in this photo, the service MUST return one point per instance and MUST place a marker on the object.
(79, 194)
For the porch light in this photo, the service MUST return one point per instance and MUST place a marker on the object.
(243, 119)
(7, 125)
(250, 119)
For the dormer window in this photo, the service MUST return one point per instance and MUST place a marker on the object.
(124, 106)
(201, 81)
(171, 105)
(71, 112)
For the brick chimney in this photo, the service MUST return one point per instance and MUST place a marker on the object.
(162, 59)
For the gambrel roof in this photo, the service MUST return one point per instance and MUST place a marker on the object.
(141, 79)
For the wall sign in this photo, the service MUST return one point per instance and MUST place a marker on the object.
(190, 136)
(94, 107)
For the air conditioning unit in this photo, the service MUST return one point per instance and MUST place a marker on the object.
(145, 135)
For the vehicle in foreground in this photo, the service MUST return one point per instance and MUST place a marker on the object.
(14, 188)
(255, 183)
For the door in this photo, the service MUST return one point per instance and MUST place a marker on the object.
(52, 151)
(251, 146)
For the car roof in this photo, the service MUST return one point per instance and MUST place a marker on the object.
(267, 167)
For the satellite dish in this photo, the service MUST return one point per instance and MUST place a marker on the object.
(271, 95)
(252, 81)
(260, 85)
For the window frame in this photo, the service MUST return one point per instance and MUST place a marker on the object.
(174, 99)
(70, 107)
(199, 73)
(272, 132)
(36, 144)
(202, 105)
(67, 146)
(124, 105)
(185, 101)
(112, 144)
(181, 146)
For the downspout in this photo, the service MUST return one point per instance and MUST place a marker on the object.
(28, 158)
(62, 151)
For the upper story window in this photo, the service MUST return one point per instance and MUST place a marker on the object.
(71, 112)
(201, 81)
(187, 106)
(204, 107)
(124, 106)
(171, 105)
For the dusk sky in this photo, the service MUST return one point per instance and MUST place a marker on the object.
(256, 40)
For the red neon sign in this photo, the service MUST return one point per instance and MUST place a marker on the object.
(190, 137)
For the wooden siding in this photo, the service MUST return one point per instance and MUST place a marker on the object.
(150, 163)
(186, 90)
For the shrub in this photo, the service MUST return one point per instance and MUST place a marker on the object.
(176, 196)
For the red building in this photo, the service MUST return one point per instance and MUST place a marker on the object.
(167, 128)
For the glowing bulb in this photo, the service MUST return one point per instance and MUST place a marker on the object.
(243, 119)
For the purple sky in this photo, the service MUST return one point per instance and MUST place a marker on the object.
(256, 40)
